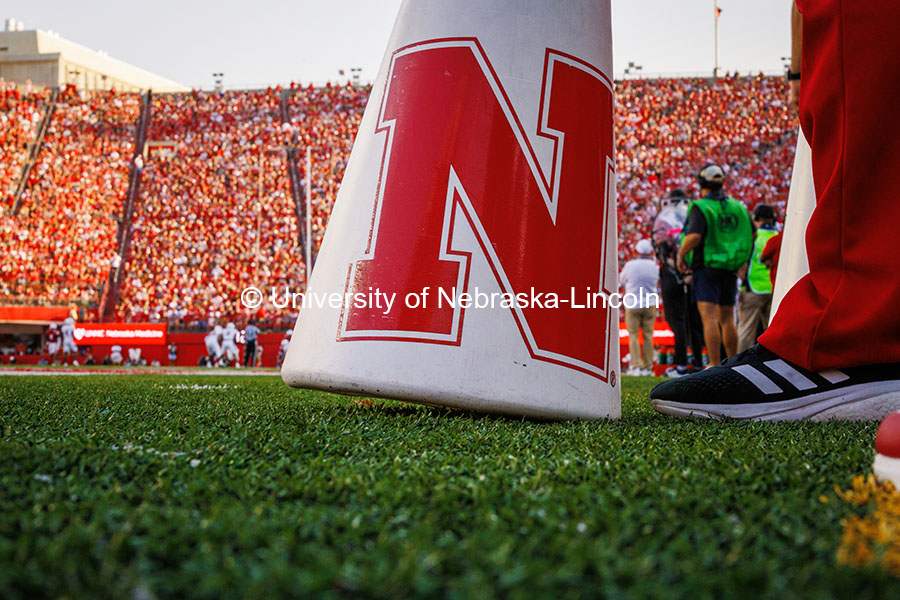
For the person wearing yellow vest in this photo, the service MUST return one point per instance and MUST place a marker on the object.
(717, 242)
(756, 297)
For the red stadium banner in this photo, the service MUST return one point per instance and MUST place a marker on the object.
(14, 314)
(107, 334)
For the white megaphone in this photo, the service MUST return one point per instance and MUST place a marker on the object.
(470, 260)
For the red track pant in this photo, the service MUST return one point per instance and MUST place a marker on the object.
(846, 311)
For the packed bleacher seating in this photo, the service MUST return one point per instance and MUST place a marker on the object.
(20, 113)
(666, 129)
(194, 230)
(326, 120)
(59, 247)
(193, 233)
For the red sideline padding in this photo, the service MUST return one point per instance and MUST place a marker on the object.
(190, 348)
(663, 339)
(662, 335)
(33, 313)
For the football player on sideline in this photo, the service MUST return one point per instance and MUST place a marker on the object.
(68, 336)
(229, 347)
(213, 350)
(282, 348)
(53, 339)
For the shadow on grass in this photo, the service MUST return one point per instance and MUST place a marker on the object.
(392, 408)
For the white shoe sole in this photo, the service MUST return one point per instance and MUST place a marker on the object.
(675, 374)
(887, 469)
(863, 402)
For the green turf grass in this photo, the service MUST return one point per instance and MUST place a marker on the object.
(147, 486)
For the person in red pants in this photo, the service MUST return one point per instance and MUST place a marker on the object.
(833, 348)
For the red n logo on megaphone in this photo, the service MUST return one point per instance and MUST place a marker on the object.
(454, 141)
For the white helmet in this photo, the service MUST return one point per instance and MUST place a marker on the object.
(69, 321)
(230, 325)
(54, 326)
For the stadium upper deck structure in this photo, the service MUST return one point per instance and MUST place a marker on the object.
(49, 60)
(162, 206)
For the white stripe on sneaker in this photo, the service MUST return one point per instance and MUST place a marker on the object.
(765, 385)
(834, 376)
(788, 372)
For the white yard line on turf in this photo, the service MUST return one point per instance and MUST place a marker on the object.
(138, 371)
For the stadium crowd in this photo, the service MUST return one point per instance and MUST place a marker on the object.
(202, 203)
(214, 156)
(325, 119)
(59, 247)
(666, 129)
(20, 113)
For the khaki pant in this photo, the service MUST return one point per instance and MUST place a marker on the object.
(640, 319)
(753, 313)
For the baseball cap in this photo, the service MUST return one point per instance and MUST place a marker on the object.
(763, 211)
(644, 247)
(711, 176)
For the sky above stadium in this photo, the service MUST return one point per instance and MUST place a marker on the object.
(265, 42)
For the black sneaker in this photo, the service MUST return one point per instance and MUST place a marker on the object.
(681, 371)
(758, 384)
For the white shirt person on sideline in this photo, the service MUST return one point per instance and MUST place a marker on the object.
(640, 278)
